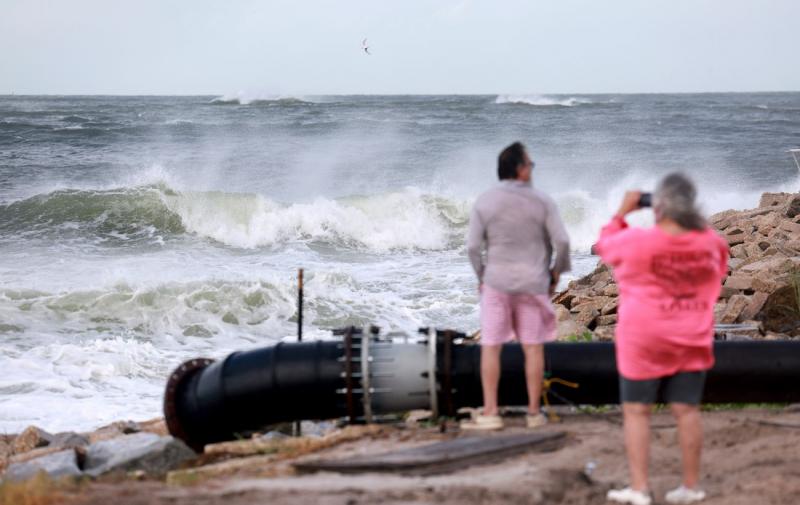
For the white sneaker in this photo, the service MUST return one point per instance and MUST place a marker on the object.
(684, 494)
(628, 495)
(483, 423)
(535, 420)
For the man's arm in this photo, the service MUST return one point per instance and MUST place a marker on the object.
(475, 238)
(560, 240)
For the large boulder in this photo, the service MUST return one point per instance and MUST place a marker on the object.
(148, 452)
(114, 430)
(733, 309)
(69, 440)
(30, 439)
(754, 306)
(56, 465)
(5, 453)
(774, 199)
(569, 329)
(780, 312)
(791, 208)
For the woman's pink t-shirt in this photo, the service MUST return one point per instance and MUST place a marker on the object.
(668, 285)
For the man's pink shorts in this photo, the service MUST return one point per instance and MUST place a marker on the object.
(529, 318)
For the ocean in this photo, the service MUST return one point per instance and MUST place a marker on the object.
(138, 232)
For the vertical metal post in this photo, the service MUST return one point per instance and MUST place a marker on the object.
(447, 374)
(348, 373)
(434, 397)
(366, 396)
(300, 305)
(297, 425)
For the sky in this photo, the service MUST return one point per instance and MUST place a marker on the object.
(418, 46)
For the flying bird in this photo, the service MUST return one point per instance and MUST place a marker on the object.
(365, 47)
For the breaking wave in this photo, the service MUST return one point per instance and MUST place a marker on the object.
(121, 213)
(260, 99)
(400, 220)
(406, 220)
(403, 220)
(541, 101)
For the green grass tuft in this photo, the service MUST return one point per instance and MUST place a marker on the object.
(586, 336)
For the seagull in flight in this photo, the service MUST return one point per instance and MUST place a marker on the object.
(365, 47)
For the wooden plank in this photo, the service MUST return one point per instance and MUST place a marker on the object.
(441, 456)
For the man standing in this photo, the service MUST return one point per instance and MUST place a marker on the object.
(519, 227)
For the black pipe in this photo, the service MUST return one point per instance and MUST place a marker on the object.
(744, 372)
(591, 365)
(208, 402)
(754, 372)
(247, 390)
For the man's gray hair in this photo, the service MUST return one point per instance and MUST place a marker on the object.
(674, 198)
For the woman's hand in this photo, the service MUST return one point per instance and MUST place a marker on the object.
(630, 202)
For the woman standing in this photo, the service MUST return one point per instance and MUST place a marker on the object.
(669, 279)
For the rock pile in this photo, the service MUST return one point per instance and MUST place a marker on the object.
(145, 451)
(760, 296)
(118, 447)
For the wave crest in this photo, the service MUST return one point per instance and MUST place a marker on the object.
(260, 99)
(403, 220)
(381, 223)
(120, 213)
(541, 101)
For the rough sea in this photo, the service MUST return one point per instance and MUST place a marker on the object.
(138, 232)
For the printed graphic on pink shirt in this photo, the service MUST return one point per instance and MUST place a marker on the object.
(679, 273)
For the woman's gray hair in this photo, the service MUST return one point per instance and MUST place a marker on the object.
(674, 198)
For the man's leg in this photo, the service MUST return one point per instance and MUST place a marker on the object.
(490, 377)
(690, 433)
(637, 441)
(534, 374)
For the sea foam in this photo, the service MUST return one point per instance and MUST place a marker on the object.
(250, 98)
(380, 223)
(541, 100)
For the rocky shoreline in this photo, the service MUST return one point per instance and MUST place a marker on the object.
(121, 446)
(760, 297)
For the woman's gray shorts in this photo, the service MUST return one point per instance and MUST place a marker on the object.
(683, 387)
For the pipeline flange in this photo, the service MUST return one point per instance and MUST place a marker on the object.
(176, 379)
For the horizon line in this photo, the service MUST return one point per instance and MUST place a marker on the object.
(397, 94)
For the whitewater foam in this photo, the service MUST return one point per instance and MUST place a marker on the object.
(380, 223)
(256, 98)
(180, 122)
(541, 100)
(585, 213)
(69, 378)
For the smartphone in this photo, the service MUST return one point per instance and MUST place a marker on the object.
(646, 200)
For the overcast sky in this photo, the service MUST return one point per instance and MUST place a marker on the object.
(418, 46)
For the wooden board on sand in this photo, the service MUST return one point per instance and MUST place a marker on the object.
(441, 456)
